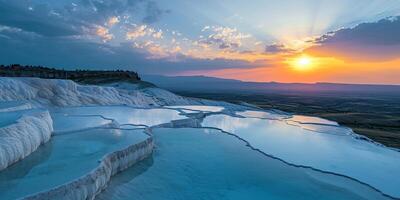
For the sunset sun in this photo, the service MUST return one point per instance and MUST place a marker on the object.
(303, 63)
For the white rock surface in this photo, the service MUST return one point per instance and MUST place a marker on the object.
(19, 139)
(88, 186)
(68, 93)
(54, 92)
(23, 137)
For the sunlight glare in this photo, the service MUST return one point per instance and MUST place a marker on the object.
(303, 63)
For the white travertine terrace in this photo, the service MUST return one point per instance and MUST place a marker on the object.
(301, 141)
(24, 136)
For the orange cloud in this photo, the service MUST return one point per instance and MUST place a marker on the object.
(104, 33)
(112, 21)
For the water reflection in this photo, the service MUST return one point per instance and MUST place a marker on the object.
(120, 182)
(262, 115)
(7, 118)
(339, 153)
(311, 120)
(207, 164)
(199, 108)
(127, 115)
(19, 170)
(66, 123)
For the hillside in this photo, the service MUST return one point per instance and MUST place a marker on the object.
(202, 84)
(81, 76)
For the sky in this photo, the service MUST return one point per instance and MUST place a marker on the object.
(341, 41)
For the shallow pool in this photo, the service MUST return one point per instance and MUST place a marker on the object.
(6, 106)
(208, 164)
(7, 118)
(191, 109)
(262, 115)
(64, 123)
(125, 114)
(324, 147)
(63, 159)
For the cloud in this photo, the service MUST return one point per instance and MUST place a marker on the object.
(104, 33)
(95, 11)
(39, 19)
(137, 32)
(112, 21)
(222, 42)
(72, 19)
(224, 37)
(205, 28)
(158, 34)
(143, 31)
(27, 48)
(66, 34)
(375, 41)
(153, 13)
(277, 48)
(115, 21)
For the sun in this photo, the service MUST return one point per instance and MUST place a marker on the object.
(303, 63)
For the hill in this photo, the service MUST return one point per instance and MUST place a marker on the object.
(217, 85)
(81, 76)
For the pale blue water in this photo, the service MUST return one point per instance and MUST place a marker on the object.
(189, 109)
(65, 123)
(329, 148)
(10, 104)
(125, 114)
(63, 159)
(208, 164)
(7, 118)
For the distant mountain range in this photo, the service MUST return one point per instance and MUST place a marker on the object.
(218, 85)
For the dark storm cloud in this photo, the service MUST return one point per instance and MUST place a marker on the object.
(367, 41)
